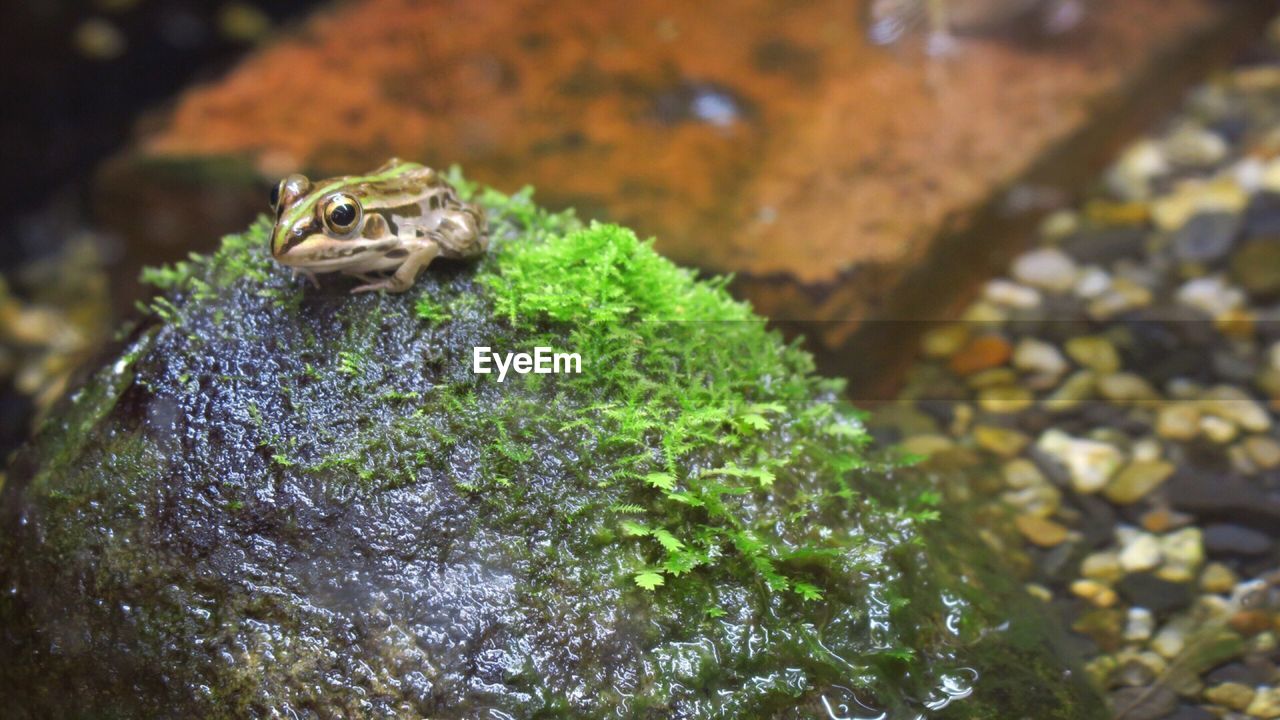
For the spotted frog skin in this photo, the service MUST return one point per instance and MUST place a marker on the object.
(383, 228)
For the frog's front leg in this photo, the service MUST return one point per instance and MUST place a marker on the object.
(421, 253)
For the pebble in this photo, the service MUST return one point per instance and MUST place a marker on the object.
(1095, 593)
(1206, 237)
(1172, 211)
(1236, 406)
(1210, 295)
(1093, 282)
(1103, 566)
(1266, 704)
(1194, 147)
(1123, 296)
(1263, 451)
(1140, 623)
(1005, 399)
(927, 445)
(1077, 388)
(1094, 352)
(1183, 553)
(1171, 639)
(1256, 266)
(1230, 539)
(1011, 294)
(1129, 388)
(1141, 554)
(1218, 578)
(1137, 480)
(1156, 594)
(1217, 429)
(980, 353)
(1040, 357)
(1090, 463)
(1041, 531)
(945, 341)
(1231, 695)
(1047, 269)
(1131, 176)
(1001, 441)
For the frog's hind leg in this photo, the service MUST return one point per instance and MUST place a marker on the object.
(402, 279)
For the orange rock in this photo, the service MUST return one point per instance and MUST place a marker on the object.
(981, 353)
(840, 182)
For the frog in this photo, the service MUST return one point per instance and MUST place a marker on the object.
(891, 19)
(384, 227)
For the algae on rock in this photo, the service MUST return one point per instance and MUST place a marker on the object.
(288, 500)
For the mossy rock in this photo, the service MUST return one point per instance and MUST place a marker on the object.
(286, 501)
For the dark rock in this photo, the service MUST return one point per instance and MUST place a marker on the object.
(1262, 218)
(1238, 672)
(1160, 596)
(1256, 266)
(1144, 703)
(1104, 246)
(1206, 237)
(288, 500)
(1223, 496)
(1227, 539)
(1190, 712)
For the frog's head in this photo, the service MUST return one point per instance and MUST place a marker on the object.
(315, 224)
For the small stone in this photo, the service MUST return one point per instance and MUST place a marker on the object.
(1218, 578)
(1089, 463)
(1145, 450)
(984, 314)
(1011, 294)
(1103, 566)
(1123, 296)
(1140, 623)
(944, 341)
(927, 445)
(1256, 266)
(993, 377)
(1157, 595)
(1039, 500)
(1210, 295)
(1102, 625)
(1094, 352)
(1250, 622)
(1124, 387)
(1162, 520)
(1136, 480)
(1144, 703)
(1196, 147)
(1266, 704)
(1021, 473)
(1217, 429)
(1229, 539)
(1233, 696)
(1059, 224)
(1077, 388)
(1039, 592)
(1237, 406)
(1142, 554)
(1206, 238)
(1045, 268)
(1184, 547)
(1094, 592)
(1172, 211)
(1170, 640)
(1040, 531)
(1039, 357)
(1263, 451)
(1093, 282)
(981, 353)
(1005, 399)
(98, 39)
(1130, 178)
(1002, 441)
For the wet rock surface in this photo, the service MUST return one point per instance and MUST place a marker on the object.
(285, 500)
(1146, 323)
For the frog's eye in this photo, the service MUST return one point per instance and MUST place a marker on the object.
(341, 214)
